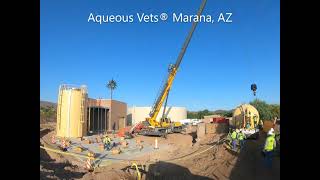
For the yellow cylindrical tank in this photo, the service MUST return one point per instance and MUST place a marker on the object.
(243, 114)
(72, 111)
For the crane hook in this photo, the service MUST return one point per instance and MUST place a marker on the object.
(254, 88)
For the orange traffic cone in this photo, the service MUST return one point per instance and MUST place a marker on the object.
(88, 165)
(64, 145)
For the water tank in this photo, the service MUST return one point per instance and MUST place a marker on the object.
(71, 111)
(243, 114)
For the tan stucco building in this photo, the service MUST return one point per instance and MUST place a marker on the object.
(138, 114)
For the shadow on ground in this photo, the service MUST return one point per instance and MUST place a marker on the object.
(43, 132)
(169, 171)
(222, 128)
(50, 169)
(250, 164)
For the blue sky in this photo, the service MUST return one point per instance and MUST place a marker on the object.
(222, 60)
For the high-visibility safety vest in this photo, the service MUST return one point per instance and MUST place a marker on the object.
(234, 135)
(241, 136)
(270, 143)
(107, 140)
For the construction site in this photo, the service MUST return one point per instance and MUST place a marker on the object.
(105, 139)
(199, 151)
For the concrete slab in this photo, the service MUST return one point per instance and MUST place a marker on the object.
(106, 157)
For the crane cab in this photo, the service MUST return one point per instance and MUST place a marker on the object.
(175, 127)
(165, 122)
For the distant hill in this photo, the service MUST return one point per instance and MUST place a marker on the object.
(201, 114)
(48, 111)
(220, 111)
(47, 103)
(226, 113)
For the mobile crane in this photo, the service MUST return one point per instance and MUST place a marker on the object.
(153, 127)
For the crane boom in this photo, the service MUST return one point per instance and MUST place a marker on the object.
(172, 73)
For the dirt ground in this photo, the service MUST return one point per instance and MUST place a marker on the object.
(185, 159)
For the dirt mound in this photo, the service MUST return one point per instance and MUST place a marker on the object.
(220, 163)
(54, 170)
(171, 171)
(57, 167)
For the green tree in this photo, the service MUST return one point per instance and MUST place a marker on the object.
(48, 113)
(228, 113)
(192, 115)
(201, 114)
(266, 111)
(206, 112)
(275, 110)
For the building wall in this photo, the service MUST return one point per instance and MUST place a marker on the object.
(138, 114)
(117, 112)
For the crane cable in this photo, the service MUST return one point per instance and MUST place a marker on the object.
(252, 71)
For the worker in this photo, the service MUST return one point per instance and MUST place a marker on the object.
(277, 136)
(271, 131)
(229, 139)
(248, 125)
(234, 139)
(107, 142)
(269, 147)
(241, 136)
(255, 121)
(229, 134)
(64, 145)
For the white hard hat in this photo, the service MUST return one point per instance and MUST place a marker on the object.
(270, 133)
